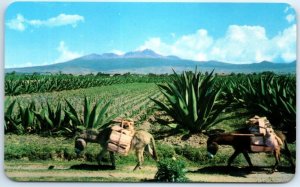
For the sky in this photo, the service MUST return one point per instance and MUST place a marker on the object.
(42, 33)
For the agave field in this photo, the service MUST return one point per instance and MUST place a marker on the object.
(62, 103)
(190, 103)
(35, 83)
(63, 112)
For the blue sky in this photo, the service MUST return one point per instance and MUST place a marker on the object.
(47, 33)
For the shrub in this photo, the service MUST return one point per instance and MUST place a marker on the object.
(198, 155)
(165, 151)
(171, 170)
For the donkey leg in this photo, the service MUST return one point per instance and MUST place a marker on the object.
(138, 165)
(112, 159)
(233, 156)
(246, 155)
(140, 158)
(100, 156)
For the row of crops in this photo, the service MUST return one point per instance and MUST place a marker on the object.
(64, 113)
(194, 101)
(17, 84)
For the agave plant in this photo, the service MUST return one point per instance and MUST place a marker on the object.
(27, 118)
(93, 116)
(11, 121)
(50, 119)
(13, 87)
(273, 97)
(192, 101)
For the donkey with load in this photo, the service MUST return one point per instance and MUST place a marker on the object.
(118, 139)
(258, 137)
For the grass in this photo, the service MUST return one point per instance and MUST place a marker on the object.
(34, 148)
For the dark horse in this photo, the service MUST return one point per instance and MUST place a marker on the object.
(240, 140)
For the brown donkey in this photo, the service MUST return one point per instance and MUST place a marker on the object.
(240, 140)
(141, 141)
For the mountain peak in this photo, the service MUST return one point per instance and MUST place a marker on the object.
(110, 55)
(146, 53)
(92, 56)
(265, 62)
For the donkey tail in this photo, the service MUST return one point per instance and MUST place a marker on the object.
(154, 155)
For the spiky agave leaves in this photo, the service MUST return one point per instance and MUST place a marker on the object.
(192, 100)
(11, 121)
(94, 116)
(273, 97)
(27, 118)
(50, 119)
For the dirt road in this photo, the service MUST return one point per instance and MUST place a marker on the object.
(40, 172)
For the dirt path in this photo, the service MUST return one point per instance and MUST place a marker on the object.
(41, 172)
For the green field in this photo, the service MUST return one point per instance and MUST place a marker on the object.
(32, 145)
(127, 99)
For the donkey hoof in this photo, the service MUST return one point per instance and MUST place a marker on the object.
(271, 172)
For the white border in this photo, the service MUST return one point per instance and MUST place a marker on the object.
(5, 181)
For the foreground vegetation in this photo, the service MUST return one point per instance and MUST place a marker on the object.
(36, 158)
(35, 148)
(40, 123)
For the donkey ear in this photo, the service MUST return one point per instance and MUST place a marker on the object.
(117, 120)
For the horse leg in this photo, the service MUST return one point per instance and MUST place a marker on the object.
(246, 155)
(233, 156)
(112, 159)
(277, 158)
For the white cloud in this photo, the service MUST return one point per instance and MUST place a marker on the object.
(20, 23)
(287, 9)
(17, 23)
(289, 14)
(118, 52)
(240, 44)
(284, 44)
(65, 54)
(188, 46)
(290, 18)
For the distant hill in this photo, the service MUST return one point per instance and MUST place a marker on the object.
(147, 61)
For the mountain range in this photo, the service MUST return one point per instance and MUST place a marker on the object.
(148, 61)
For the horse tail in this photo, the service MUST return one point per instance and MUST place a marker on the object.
(154, 155)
